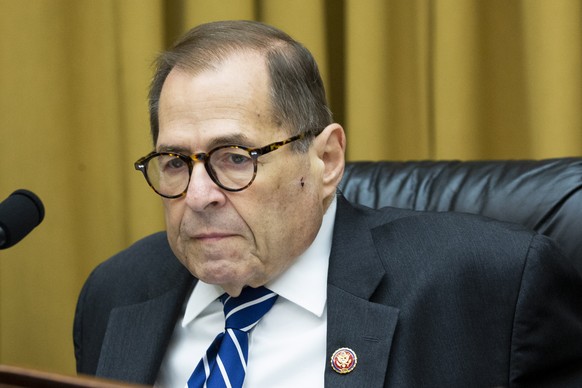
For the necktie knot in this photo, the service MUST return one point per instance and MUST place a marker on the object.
(246, 310)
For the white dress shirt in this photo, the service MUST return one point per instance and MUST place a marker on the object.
(287, 348)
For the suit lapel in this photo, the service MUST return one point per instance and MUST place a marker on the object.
(354, 321)
(137, 335)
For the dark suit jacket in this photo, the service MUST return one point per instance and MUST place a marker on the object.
(423, 299)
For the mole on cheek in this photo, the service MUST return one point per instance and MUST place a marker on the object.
(302, 182)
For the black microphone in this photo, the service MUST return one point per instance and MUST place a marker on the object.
(20, 213)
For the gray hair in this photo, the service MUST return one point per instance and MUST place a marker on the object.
(297, 93)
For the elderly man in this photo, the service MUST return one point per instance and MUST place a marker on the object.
(316, 291)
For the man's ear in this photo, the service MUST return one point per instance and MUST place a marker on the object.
(331, 148)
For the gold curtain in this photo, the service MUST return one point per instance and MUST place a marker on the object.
(409, 79)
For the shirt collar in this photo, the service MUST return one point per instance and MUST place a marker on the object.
(310, 268)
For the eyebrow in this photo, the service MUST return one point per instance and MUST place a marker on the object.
(235, 139)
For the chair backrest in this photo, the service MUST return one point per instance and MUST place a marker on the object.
(543, 195)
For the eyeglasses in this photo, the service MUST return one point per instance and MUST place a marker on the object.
(231, 167)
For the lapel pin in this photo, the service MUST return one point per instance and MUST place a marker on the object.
(344, 360)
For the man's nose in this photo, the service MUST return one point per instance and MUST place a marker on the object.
(202, 192)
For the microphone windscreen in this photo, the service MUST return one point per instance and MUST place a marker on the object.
(21, 212)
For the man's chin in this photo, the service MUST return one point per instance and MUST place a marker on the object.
(229, 279)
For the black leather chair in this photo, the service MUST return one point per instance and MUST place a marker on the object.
(544, 195)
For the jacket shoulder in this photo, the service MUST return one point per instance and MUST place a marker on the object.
(148, 267)
(145, 270)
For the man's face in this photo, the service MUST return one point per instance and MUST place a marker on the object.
(241, 238)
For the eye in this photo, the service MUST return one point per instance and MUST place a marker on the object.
(231, 158)
(235, 158)
(176, 163)
(170, 164)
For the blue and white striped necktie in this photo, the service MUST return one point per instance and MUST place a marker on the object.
(225, 361)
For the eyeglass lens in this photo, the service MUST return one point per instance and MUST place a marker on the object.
(230, 167)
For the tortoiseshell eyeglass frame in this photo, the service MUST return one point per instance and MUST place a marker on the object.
(203, 157)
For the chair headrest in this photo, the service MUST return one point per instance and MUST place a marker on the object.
(544, 195)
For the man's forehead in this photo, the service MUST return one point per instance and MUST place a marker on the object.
(190, 140)
(227, 105)
(240, 79)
